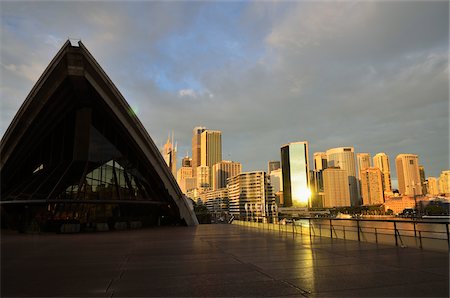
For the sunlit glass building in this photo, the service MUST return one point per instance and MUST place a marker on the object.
(295, 173)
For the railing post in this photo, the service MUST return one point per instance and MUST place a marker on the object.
(395, 233)
(376, 236)
(320, 230)
(420, 239)
(343, 230)
(414, 224)
(309, 221)
(448, 236)
(331, 229)
(357, 225)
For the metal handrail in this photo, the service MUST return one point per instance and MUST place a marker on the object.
(399, 233)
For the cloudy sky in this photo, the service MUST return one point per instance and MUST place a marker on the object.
(368, 74)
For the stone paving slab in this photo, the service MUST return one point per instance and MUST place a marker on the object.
(214, 261)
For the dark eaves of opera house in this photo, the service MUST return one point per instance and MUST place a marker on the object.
(77, 158)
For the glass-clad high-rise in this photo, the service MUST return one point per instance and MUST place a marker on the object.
(295, 171)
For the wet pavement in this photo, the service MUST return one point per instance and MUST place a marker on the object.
(212, 261)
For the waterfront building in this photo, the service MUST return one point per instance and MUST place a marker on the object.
(169, 152)
(273, 165)
(344, 158)
(381, 161)
(75, 151)
(295, 171)
(250, 196)
(432, 186)
(276, 180)
(336, 190)
(398, 204)
(196, 148)
(223, 170)
(217, 200)
(320, 161)
(444, 182)
(372, 186)
(408, 174)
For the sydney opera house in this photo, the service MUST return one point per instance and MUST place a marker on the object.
(76, 157)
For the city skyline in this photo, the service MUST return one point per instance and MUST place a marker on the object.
(370, 75)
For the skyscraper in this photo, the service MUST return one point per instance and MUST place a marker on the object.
(276, 180)
(210, 149)
(295, 171)
(273, 165)
(408, 174)
(433, 188)
(364, 162)
(186, 161)
(223, 170)
(196, 147)
(372, 186)
(381, 161)
(335, 183)
(202, 176)
(320, 161)
(344, 158)
(422, 179)
(444, 182)
(169, 152)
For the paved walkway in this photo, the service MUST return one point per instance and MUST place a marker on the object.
(214, 260)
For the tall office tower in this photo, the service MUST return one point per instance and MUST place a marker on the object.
(408, 174)
(335, 184)
(276, 180)
(444, 182)
(295, 171)
(317, 190)
(196, 147)
(203, 178)
(169, 152)
(250, 195)
(182, 175)
(320, 161)
(423, 180)
(381, 161)
(372, 186)
(223, 170)
(344, 158)
(186, 162)
(273, 165)
(211, 149)
(433, 188)
(363, 162)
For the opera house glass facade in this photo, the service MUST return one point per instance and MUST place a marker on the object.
(76, 157)
(295, 173)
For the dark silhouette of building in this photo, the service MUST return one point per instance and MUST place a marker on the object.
(76, 152)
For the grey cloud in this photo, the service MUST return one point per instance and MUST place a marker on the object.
(373, 75)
